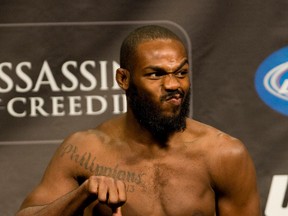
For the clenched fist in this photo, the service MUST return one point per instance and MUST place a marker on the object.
(107, 190)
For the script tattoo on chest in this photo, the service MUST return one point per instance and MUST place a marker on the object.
(88, 161)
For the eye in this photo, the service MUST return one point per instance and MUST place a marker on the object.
(155, 75)
(181, 74)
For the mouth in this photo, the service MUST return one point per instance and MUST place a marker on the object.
(175, 99)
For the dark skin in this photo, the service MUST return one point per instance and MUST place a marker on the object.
(119, 168)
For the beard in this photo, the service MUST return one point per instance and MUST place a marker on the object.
(149, 114)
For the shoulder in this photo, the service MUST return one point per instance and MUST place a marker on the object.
(65, 170)
(74, 146)
(225, 155)
(228, 161)
(211, 135)
(81, 141)
(100, 141)
(100, 137)
(87, 138)
(220, 146)
(231, 171)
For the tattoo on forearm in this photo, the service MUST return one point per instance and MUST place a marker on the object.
(88, 162)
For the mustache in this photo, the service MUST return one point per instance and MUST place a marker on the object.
(172, 94)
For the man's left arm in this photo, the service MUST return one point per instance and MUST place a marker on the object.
(235, 180)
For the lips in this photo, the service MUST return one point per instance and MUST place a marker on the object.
(175, 99)
(174, 96)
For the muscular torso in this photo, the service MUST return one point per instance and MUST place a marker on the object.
(198, 172)
(174, 186)
(172, 180)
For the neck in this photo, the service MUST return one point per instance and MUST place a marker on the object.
(140, 134)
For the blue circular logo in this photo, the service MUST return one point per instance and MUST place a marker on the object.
(271, 81)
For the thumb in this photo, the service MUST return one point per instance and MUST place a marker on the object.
(117, 212)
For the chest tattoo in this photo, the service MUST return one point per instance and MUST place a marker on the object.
(88, 161)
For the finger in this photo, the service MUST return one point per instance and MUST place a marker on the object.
(117, 212)
(102, 191)
(122, 196)
(93, 186)
(113, 197)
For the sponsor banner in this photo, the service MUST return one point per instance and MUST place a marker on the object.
(56, 78)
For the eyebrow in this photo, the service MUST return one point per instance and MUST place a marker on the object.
(184, 62)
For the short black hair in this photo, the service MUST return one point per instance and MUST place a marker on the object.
(141, 34)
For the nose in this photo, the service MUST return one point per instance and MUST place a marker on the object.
(170, 82)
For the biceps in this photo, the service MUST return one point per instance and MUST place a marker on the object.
(238, 191)
(245, 203)
(240, 198)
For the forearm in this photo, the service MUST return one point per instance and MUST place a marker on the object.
(70, 204)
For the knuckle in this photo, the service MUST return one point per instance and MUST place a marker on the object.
(120, 183)
(107, 189)
(92, 186)
(104, 179)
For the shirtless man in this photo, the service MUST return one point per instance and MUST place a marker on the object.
(153, 160)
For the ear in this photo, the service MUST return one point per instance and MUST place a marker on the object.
(123, 78)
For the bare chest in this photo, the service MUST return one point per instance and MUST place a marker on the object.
(166, 188)
(177, 184)
(172, 189)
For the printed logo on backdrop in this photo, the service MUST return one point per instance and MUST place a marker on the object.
(277, 202)
(271, 81)
(57, 78)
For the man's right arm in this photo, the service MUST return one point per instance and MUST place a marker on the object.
(73, 203)
(59, 192)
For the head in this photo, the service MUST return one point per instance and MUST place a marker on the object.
(155, 75)
(146, 33)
